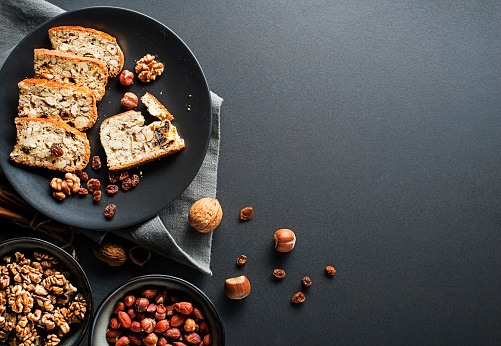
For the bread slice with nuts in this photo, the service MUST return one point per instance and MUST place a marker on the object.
(41, 98)
(50, 144)
(155, 108)
(64, 67)
(127, 143)
(90, 43)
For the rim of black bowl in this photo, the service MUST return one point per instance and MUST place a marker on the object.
(204, 297)
(21, 241)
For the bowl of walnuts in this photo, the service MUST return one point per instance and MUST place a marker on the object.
(45, 296)
(156, 310)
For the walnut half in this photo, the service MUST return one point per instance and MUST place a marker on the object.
(148, 68)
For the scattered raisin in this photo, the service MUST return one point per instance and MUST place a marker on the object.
(246, 213)
(306, 281)
(127, 184)
(279, 273)
(123, 175)
(96, 196)
(83, 191)
(96, 162)
(110, 210)
(113, 177)
(241, 260)
(82, 175)
(56, 150)
(135, 180)
(330, 270)
(111, 189)
(298, 297)
(93, 185)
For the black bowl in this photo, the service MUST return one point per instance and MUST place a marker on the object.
(180, 287)
(77, 278)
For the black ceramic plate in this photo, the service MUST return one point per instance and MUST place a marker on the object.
(182, 89)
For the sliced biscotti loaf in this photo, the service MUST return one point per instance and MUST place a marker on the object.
(128, 143)
(64, 67)
(50, 144)
(41, 98)
(88, 42)
(155, 108)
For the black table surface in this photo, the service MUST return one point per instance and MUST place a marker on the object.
(371, 129)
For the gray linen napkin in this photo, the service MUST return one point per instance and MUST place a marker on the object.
(168, 233)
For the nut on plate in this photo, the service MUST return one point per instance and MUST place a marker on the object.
(205, 214)
(238, 287)
(285, 240)
(113, 254)
(129, 100)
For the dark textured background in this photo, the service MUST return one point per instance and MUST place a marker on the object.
(372, 129)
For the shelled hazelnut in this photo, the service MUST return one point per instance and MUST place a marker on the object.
(285, 240)
(238, 287)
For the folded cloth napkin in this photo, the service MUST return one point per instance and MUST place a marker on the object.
(169, 232)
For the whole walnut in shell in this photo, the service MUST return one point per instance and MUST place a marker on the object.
(113, 254)
(205, 214)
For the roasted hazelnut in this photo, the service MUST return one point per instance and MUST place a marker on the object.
(184, 308)
(126, 78)
(285, 240)
(142, 304)
(189, 325)
(238, 287)
(205, 214)
(129, 100)
(151, 339)
(129, 300)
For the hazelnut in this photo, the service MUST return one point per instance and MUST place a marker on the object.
(285, 240)
(129, 100)
(205, 214)
(238, 287)
(126, 78)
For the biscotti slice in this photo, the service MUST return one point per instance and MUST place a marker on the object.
(155, 108)
(128, 143)
(41, 98)
(64, 67)
(88, 42)
(50, 144)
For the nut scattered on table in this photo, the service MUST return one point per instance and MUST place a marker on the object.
(113, 254)
(148, 68)
(285, 240)
(306, 281)
(238, 287)
(205, 214)
(139, 254)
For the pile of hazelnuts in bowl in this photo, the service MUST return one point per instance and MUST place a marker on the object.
(157, 310)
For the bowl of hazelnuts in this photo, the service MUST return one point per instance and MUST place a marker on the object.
(156, 310)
